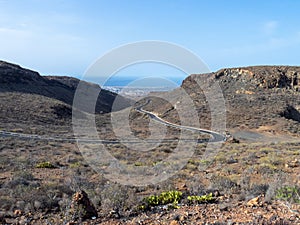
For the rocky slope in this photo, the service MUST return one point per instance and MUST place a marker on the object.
(32, 103)
(14, 78)
(267, 77)
(259, 98)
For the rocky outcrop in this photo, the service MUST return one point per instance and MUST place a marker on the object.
(71, 82)
(291, 113)
(81, 207)
(12, 73)
(287, 77)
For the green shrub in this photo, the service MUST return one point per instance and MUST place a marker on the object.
(201, 199)
(290, 194)
(168, 197)
(138, 164)
(75, 165)
(47, 165)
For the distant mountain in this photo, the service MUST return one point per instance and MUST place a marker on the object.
(14, 78)
(258, 98)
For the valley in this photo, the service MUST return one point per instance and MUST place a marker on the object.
(241, 162)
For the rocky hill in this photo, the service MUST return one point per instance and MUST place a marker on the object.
(34, 103)
(258, 98)
(14, 78)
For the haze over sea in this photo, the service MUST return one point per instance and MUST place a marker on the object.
(133, 86)
(135, 81)
(140, 75)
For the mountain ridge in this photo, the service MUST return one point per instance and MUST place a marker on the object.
(14, 78)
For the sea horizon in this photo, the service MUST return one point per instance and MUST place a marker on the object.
(145, 82)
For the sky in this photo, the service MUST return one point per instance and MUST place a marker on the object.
(64, 37)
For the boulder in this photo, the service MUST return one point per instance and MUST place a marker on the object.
(81, 206)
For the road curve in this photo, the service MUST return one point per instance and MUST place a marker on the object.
(215, 136)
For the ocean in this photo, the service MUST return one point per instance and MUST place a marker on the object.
(117, 81)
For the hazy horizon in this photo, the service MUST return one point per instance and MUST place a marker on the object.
(66, 37)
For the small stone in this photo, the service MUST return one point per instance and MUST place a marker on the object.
(254, 202)
(37, 204)
(71, 223)
(216, 193)
(223, 207)
(23, 220)
(114, 214)
(17, 212)
(36, 216)
(174, 222)
(181, 218)
(20, 204)
(176, 217)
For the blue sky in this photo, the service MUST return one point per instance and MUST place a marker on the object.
(63, 37)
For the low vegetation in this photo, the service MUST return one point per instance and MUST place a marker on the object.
(168, 197)
(47, 165)
(290, 194)
(33, 189)
(201, 199)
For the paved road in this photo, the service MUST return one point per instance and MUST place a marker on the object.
(215, 136)
(4, 133)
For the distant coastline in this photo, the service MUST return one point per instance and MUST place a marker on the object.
(117, 81)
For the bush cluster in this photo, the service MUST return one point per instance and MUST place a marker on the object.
(168, 197)
(47, 165)
(289, 193)
(201, 198)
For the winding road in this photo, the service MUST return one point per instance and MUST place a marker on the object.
(215, 136)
